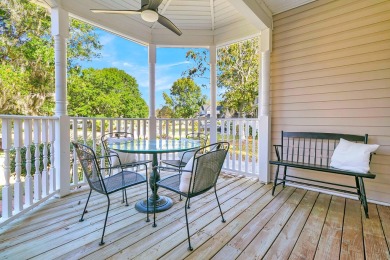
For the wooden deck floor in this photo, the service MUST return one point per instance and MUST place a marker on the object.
(295, 224)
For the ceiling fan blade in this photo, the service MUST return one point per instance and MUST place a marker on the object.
(154, 4)
(116, 11)
(168, 24)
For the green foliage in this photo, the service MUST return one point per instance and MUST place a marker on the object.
(107, 92)
(238, 72)
(185, 98)
(27, 50)
(164, 112)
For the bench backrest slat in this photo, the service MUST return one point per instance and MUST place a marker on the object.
(313, 148)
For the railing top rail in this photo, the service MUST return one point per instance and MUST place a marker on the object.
(107, 118)
(27, 117)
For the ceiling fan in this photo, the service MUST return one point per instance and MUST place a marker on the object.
(149, 13)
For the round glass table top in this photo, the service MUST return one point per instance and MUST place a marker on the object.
(153, 146)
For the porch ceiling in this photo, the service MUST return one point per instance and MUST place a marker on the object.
(203, 22)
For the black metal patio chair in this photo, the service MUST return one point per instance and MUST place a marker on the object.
(126, 160)
(106, 184)
(197, 177)
(184, 157)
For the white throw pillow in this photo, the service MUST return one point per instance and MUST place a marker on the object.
(352, 156)
(186, 176)
(124, 158)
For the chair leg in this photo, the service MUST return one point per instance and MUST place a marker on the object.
(105, 221)
(189, 201)
(85, 208)
(220, 210)
(358, 189)
(284, 176)
(275, 180)
(188, 229)
(363, 195)
(127, 204)
(147, 202)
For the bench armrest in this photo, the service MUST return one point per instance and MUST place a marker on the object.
(276, 146)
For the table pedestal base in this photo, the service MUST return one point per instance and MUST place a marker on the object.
(162, 203)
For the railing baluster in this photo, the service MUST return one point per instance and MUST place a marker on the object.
(18, 188)
(234, 145)
(75, 162)
(6, 190)
(246, 145)
(37, 175)
(28, 188)
(45, 177)
(52, 170)
(241, 137)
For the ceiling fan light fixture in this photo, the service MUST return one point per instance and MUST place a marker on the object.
(149, 16)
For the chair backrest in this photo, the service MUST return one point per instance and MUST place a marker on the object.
(207, 166)
(115, 137)
(90, 166)
(202, 137)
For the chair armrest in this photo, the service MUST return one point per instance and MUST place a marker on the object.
(276, 146)
(188, 151)
(159, 168)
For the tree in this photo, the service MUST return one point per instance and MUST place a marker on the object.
(164, 112)
(185, 98)
(27, 51)
(108, 92)
(238, 69)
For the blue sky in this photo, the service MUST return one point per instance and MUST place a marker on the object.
(133, 58)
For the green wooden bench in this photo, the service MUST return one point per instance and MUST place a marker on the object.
(313, 151)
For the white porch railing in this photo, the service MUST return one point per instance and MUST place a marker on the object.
(28, 168)
(242, 134)
(28, 181)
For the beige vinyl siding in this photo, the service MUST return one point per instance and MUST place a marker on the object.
(330, 72)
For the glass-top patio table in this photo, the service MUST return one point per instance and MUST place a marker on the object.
(155, 147)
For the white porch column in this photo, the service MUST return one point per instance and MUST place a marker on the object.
(264, 115)
(152, 89)
(60, 33)
(213, 94)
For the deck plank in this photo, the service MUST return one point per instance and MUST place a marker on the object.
(120, 229)
(384, 214)
(330, 241)
(176, 229)
(374, 239)
(212, 235)
(352, 238)
(284, 243)
(306, 245)
(250, 229)
(264, 239)
(306, 223)
(198, 226)
(128, 240)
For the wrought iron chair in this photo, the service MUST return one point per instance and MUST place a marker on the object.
(184, 157)
(126, 160)
(197, 177)
(105, 185)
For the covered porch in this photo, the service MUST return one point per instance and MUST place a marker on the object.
(325, 67)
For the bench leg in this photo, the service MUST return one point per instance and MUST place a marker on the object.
(284, 176)
(276, 178)
(358, 189)
(363, 196)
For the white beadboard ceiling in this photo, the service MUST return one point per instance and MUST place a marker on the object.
(203, 22)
